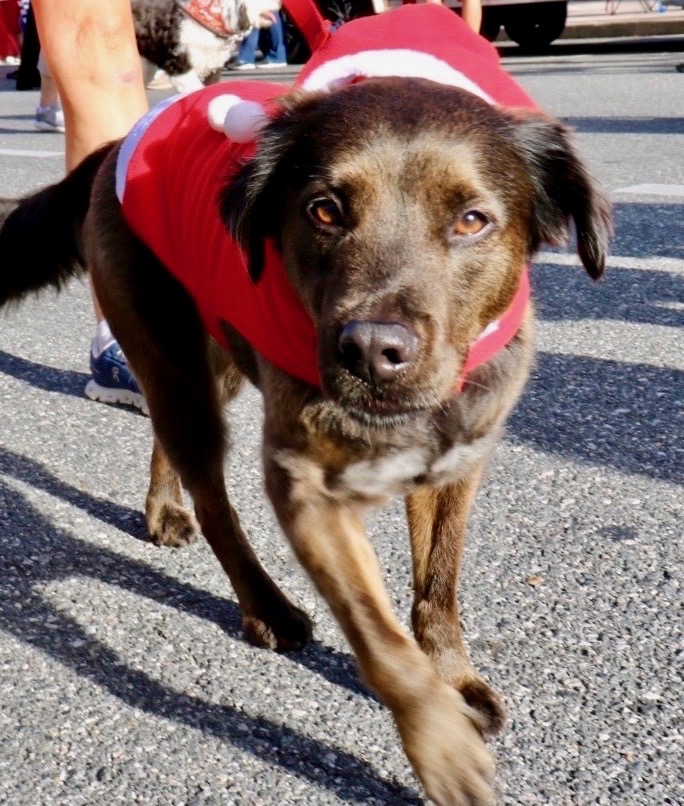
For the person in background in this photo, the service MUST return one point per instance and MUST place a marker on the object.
(275, 54)
(90, 49)
(10, 32)
(471, 11)
(49, 114)
(27, 75)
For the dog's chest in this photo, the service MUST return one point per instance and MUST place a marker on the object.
(398, 472)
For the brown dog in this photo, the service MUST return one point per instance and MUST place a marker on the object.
(403, 232)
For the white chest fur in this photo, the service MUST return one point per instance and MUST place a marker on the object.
(399, 472)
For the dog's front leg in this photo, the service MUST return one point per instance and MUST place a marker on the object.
(434, 721)
(437, 522)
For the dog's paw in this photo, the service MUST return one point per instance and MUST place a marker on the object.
(488, 703)
(284, 628)
(172, 525)
(446, 749)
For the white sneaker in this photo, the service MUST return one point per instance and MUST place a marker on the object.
(49, 118)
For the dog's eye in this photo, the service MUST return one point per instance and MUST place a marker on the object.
(325, 211)
(471, 222)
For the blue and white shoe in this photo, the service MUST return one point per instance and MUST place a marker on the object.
(113, 381)
(49, 118)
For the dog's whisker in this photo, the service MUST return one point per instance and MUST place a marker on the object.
(479, 385)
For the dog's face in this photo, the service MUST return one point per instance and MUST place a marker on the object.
(405, 212)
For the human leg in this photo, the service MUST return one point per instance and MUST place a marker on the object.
(275, 35)
(247, 53)
(49, 114)
(102, 94)
(102, 91)
(471, 11)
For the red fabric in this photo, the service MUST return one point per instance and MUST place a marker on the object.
(430, 29)
(181, 164)
(308, 20)
(489, 344)
(171, 203)
(9, 28)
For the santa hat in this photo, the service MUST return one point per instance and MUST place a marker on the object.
(419, 41)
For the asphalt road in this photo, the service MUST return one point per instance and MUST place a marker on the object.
(123, 675)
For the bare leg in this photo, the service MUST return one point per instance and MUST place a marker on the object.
(92, 54)
(471, 11)
(102, 92)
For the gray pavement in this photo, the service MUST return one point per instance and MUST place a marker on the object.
(123, 675)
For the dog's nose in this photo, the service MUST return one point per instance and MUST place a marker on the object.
(377, 351)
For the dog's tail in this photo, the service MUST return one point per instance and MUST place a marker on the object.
(40, 235)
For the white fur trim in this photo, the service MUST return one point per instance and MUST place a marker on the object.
(132, 139)
(241, 121)
(400, 62)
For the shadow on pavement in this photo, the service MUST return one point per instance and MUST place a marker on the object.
(49, 379)
(605, 413)
(26, 615)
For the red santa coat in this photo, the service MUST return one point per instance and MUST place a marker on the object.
(173, 166)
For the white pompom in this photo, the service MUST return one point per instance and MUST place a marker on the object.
(244, 121)
(217, 109)
(241, 121)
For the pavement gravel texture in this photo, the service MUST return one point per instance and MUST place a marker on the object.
(123, 674)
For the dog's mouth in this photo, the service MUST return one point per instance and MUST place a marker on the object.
(383, 416)
(378, 408)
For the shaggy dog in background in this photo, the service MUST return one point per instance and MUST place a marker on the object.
(191, 53)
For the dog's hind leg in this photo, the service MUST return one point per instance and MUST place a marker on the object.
(164, 341)
(168, 520)
(437, 522)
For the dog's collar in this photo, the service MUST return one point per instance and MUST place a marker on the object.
(209, 14)
(498, 333)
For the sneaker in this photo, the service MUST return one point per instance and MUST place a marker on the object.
(242, 66)
(49, 118)
(270, 65)
(113, 381)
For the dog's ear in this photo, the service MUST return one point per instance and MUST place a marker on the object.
(240, 204)
(563, 190)
(251, 204)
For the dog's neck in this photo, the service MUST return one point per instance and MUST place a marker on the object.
(498, 333)
(210, 14)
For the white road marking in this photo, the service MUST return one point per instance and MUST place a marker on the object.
(655, 263)
(16, 152)
(653, 190)
(632, 344)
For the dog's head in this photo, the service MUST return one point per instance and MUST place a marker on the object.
(405, 212)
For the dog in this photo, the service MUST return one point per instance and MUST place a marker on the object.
(399, 242)
(192, 41)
